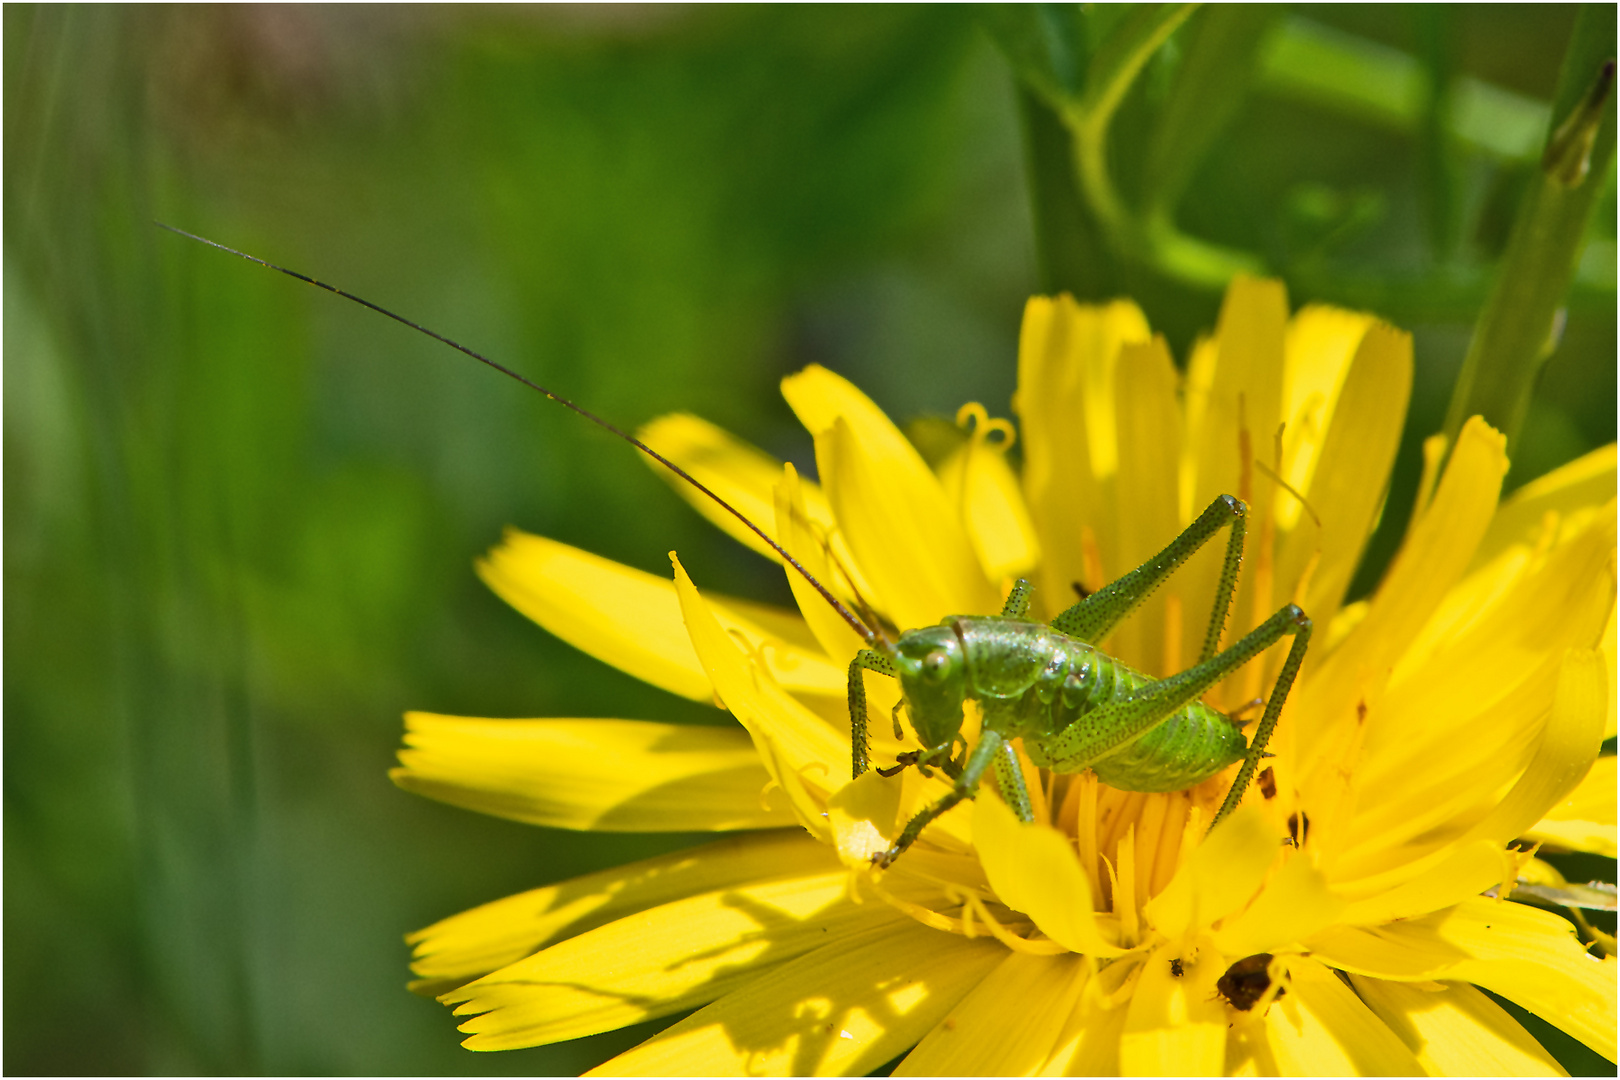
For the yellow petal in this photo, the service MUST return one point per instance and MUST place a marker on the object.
(985, 491)
(665, 959)
(1594, 837)
(1501, 612)
(738, 472)
(1033, 869)
(1320, 1028)
(1469, 696)
(1436, 552)
(618, 615)
(463, 947)
(1585, 821)
(819, 398)
(1587, 481)
(1089, 1045)
(1455, 1030)
(631, 619)
(889, 484)
(1195, 390)
(1295, 904)
(1462, 781)
(1008, 1025)
(838, 639)
(785, 624)
(1416, 886)
(747, 477)
(1568, 746)
(862, 815)
(1067, 355)
(1444, 788)
(609, 775)
(1319, 347)
(909, 541)
(1526, 955)
(867, 814)
(1221, 876)
(1243, 405)
(1608, 647)
(803, 755)
(1569, 741)
(1348, 479)
(1148, 505)
(844, 1009)
(1176, 1025)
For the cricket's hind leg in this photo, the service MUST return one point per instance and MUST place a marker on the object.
(1017, 605)
(1102, 731)
(1268, 720)
(1094, 618)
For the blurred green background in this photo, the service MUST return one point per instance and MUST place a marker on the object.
(240, 514)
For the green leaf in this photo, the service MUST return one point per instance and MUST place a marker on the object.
(1215, 74)
(1046, 45)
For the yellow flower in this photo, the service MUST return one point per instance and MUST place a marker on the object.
(1454, 711)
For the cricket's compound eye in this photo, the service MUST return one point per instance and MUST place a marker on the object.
(936, 666)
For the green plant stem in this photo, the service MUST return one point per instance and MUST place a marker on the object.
(1113, 70)
(1518, 328)
(1151, 239)
(1071, 254)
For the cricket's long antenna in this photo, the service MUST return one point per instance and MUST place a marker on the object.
(867, 635)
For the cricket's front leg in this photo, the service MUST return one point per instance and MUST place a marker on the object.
(989, 748)
(860, 751)
(1010, 781)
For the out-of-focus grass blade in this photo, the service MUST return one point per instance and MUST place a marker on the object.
(1521, 322)
(1364, 78)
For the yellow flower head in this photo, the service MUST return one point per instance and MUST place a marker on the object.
(1334, 924)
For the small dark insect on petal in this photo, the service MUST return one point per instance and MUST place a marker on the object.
(1246, 981)
(1080, 590)
(1299, 828)
(1175, 967)
(1268, 783)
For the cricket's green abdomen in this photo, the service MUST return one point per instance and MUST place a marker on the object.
(1195, 743)
(1188, 747)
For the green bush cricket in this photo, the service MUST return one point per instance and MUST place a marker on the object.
(1074, 707)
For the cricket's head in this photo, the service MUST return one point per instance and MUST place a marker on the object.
(933, 680)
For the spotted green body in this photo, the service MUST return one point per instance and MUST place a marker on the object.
(1035, 683)
(1073, 706)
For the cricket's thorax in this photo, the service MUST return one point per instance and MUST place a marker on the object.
(1033, 681)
